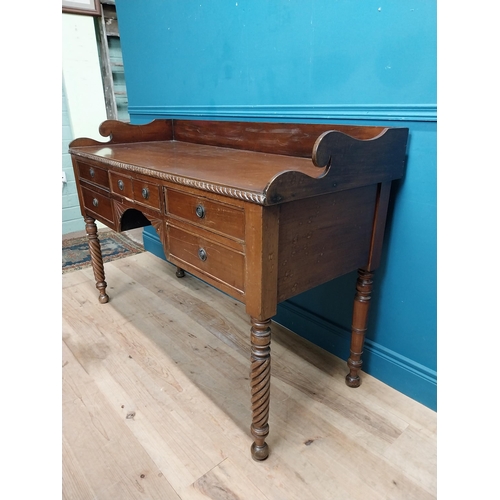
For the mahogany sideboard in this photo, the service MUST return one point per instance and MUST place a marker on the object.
(262, 211)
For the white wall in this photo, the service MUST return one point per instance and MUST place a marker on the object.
(83, 103)
(82, 75)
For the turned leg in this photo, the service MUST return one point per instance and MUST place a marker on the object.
(96, 258)
(179, 272)
(260, 383)
(359, 323)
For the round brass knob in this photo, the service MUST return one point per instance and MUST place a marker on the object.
(120, 185)
(145, 193)
(92, 173)
(200, 211)
(202, 254)
(95, 202)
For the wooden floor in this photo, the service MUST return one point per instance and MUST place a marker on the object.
(156, 403)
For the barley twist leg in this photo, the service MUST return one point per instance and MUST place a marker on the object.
(359, 322)
(260, 383)
(96, 259)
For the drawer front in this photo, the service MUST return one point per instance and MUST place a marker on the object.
(146, 193)
(98, 203)
(209, 214)
(210, 258)
(93, 174)
(122, 185)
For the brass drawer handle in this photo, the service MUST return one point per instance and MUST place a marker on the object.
(92, 173)
(95, 202)
(200, 211)
(120, 185)
(145, 193)
(202, 254)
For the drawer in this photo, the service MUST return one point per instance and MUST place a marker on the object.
(122, 185)
(211, 258)
(98, 204)
(146, 193)
(93, 174)
(206, 213)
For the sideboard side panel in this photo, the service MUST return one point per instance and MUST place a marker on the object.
(324, 237)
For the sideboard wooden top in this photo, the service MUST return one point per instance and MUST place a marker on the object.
(224, 157)
(246, 171)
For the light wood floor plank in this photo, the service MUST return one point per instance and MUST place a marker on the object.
(175, 354)
(74, 483)
(115, 464)
(162, 427)
(415, 454)
(226, 481)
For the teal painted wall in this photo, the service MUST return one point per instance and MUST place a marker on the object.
(341, 61)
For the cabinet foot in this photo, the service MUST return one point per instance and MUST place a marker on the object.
(259, 453)
(352, 381)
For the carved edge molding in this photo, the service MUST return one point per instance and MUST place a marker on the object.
(258, 198)
(307, 112)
